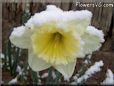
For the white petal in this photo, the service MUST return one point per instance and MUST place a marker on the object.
(52, 13)
(36, 63)
(66, 70)
(79, 25)
(20, 37)
(52, 8)
(92, 39)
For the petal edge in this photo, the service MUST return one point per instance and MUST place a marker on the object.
(20, 37)
(66, 70)
(36, 63)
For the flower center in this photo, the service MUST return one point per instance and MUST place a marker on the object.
(57, 36)
(54, 45)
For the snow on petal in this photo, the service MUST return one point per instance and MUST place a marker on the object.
(52, 13)
(92, 40)
(52, 8)
(20, 37)
(94, 31)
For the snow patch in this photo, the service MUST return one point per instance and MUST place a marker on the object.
(53, 75)
(13, 81)
(44, 75)
(2, 56)
(109, 78)
(93, 69)
(66, 79)
(19, 70)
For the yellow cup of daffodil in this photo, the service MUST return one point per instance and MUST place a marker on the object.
(57, 38)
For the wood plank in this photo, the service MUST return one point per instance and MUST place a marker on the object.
(58, 4)
(65, 6)
(12, 17)
(113, 32)
(107, 46)
(0, 28)
(37, 7)
(0, 42)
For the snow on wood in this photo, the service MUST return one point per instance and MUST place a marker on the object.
(92, 70)
(13, 81)
(109, 78)
(44, 75)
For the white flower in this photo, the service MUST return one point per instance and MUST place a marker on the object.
(57, 38)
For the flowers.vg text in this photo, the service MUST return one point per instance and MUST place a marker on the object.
(97, 4)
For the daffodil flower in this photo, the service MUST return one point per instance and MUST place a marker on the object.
(57, 38)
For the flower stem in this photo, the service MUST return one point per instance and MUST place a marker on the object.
(16, 61)
(85, 65)
(9, 56)
(49, 78)
(34, 77)
(58, 77)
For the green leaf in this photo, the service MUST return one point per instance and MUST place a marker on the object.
(9, 55)
(16, 61)
(49, 78)
(34, 77)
